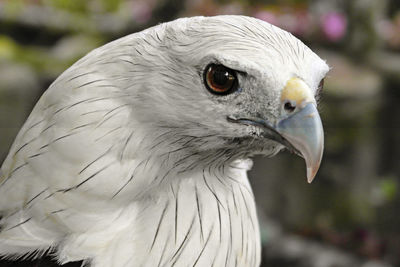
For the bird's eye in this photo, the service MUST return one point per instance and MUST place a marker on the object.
(220, 80)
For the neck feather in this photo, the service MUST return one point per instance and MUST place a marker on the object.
(207, 218)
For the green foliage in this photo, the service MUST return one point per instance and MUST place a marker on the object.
(68, 5)
(389, 188)
(13, 7)
(110, 5)
(8, 48)
(43, 60)
(71, 6)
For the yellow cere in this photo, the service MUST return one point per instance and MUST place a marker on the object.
(298, 91)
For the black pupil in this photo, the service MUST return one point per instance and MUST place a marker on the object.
(221, 76)
(289, 107)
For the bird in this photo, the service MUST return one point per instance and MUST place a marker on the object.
(137, 155)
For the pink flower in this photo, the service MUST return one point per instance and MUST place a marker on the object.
(303, 24)
(142, 11)
(266, 16)
(334, 26)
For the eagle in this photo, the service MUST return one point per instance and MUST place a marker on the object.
(137, 155)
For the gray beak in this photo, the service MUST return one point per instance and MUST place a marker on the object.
(301, 132)
(300, 129)
(304, 131)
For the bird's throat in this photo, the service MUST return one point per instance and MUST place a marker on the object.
(208, 218)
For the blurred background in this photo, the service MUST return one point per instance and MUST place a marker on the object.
(349, 216)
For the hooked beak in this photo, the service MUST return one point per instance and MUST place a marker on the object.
(299, 128)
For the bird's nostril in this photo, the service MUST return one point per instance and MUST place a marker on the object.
(289, 106)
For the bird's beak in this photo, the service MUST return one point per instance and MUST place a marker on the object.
(299, 128)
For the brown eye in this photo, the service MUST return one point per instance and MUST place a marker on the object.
(220, 80)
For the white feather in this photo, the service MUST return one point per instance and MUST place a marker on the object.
(127, 160)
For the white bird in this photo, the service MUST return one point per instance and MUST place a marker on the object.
(137, 154)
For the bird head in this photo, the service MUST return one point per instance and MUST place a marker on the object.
(230, 87)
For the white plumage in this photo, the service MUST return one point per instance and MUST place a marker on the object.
(128, 160)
